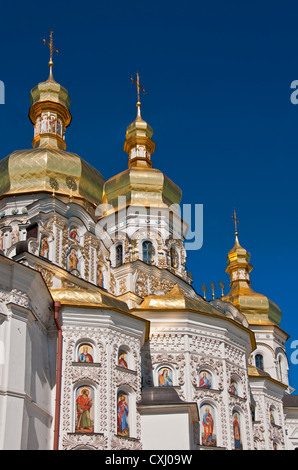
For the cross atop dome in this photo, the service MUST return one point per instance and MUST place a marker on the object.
(52, 49)
(139, 87)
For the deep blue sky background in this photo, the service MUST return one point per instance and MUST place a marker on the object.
(218, 77)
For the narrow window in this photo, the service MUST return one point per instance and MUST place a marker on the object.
(259, 361)
(147, 252)
(119, 255)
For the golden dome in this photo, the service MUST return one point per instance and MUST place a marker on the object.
(140, 184)
(48, 166)
(48, 169)
(258, 309)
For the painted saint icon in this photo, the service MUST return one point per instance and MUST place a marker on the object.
(165, 377)
(236, 430)
(84, 410)
(233, 388)
(15, 235)
(85, 353)
(122, 361)
(205, 379)
(99, 277)
(122, 414)
(208, 422)
(74, 234)
(72, 261)
(44, 247)
(272, 419)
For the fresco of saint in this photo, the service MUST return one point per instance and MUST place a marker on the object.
(99, 277)
(84, 415)
(205, 379)
(122, 415)
(72, 260)
(208, 435)
(122, 360)
(165, 377)
(84, 353)
(233, 389)
(236, 430)
(74, 235)
(44, 247)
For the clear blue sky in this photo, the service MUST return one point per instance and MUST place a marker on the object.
(218, 77)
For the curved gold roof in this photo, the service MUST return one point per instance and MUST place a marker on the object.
(258, 309)
(141, 186)
(82, 297)
(177, 299)
(42, 169)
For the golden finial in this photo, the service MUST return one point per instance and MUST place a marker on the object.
(139, 87)
(52, 48)
(222, 286)
(213, 289)
(204, 289)
(236, 222)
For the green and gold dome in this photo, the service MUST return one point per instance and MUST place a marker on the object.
(48, 167)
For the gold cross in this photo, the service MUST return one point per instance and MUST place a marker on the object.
(137, 83)
(236, 222)
(51, 47)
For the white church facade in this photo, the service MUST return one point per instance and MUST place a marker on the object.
(104, 343)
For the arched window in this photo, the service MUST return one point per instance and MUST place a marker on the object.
(259, 361)
(119, 255)
(174, 257)
(147, 248)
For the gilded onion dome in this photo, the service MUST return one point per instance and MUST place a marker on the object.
(140, 184)
(257, 308)
(48, 167)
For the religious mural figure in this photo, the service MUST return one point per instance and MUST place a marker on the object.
(233, 388)
(236, 430)
(208, 436)
(72, 261)
(272, 419)
(44, 247)
(59, 128)
(122, 360)
(99, 277)
(1, 240)
(122, 415)
(44, 124)
(74, 234)
(84, 404)
(52, 125)
(15, 235)
(165, 377)
(84, 353)
(37, 127)
(205, 379)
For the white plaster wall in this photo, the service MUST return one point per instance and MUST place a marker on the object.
(165, 431)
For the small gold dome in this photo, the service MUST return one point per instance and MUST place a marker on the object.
(257, 308)
(48, 166)
(140, 184)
